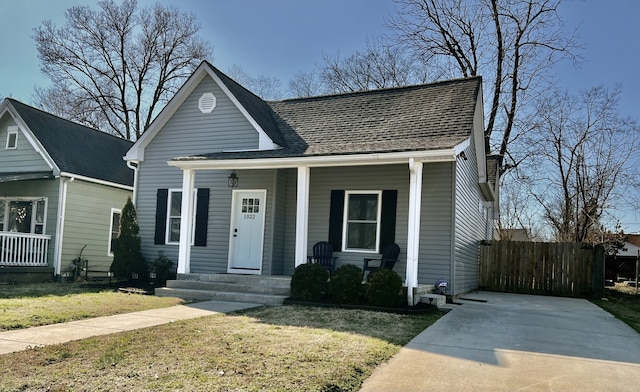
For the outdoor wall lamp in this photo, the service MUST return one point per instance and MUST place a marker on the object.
(232, 180)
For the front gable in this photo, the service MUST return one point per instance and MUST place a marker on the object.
(208, 104)
(21, 156)
(206, 120)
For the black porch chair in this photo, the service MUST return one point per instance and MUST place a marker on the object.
(323, 255)
(387, 260)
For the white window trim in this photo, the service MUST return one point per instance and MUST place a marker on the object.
(168, 225)
(113, 211)
(35, 201)
(12, 131)
(345, 214)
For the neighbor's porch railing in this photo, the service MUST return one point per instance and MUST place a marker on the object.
(23, 249)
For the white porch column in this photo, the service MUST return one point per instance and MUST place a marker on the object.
(302, 215)
(186, 222)
(413, 237)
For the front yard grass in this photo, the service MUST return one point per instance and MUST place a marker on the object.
(29, 305)
(288, 348)
(622, 302)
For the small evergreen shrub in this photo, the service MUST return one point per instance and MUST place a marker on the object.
(309, 282)
(127, 254)
(383, 288)
(163, 268)
(345, 285)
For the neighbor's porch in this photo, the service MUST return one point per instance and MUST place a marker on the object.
(23, 258)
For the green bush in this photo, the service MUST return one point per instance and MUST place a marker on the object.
(345, 285)
(384, 288)
(309, 282)
(127, 254)
(163, 268)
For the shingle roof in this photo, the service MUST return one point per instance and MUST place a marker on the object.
(78, 149)
(422, 117)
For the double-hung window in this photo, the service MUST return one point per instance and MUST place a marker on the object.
(361, 229)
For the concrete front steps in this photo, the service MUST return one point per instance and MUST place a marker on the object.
(258, 289)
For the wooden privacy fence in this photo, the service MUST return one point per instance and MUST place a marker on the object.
(559, 269)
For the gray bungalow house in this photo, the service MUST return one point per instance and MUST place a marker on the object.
(62, 186)
(267, 180)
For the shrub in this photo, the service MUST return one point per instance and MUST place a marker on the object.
(127, 254)
(309, 282)
(383, 288)
(345, 285)
(163, 268)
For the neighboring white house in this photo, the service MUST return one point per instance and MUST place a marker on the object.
(62, 186)
(361, 170)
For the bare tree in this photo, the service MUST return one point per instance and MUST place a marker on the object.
(583, 169)
(115, 67)
(380, 65)
(511, 43)
(306, 84)
(265, 87)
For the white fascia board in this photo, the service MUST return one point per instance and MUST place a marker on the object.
(136, 152)
(264, 141)
(447, 155)
(6, 107)
(96, 181)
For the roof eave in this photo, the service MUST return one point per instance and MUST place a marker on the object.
(389, 158)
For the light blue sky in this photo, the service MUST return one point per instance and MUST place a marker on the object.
(279, 38)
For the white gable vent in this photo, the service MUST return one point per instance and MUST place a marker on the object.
(207, 103)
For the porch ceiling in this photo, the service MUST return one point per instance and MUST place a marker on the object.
(23, 176)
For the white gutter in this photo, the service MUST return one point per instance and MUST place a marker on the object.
(96, 181)
(134, 165)
(191, 163)
(62, 203)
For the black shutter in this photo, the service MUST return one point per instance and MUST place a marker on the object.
(388, 218)
(202, 217)
(335, 219)
(161, 216)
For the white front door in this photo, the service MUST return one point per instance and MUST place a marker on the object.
(247, 231)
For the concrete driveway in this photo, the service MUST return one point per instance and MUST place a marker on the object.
(512, 342)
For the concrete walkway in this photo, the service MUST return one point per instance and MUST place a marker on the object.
(509, 342)
(22, 339)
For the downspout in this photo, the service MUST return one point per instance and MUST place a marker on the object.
(62, 206)
(134, 165)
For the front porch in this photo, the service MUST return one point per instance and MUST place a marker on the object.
(23, 249)
(23, 258)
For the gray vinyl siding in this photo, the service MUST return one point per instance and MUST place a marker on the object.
(87, 223)
(48, 189)
(436, 223)
(22, 159)
(471, 223)
(190, 132)
(370, 178)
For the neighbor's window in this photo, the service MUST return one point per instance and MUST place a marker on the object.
(26, 215)
(12, 139)
(362, 220)
(174, 207)
(114, 230)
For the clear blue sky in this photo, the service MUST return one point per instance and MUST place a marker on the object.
(279, 38)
